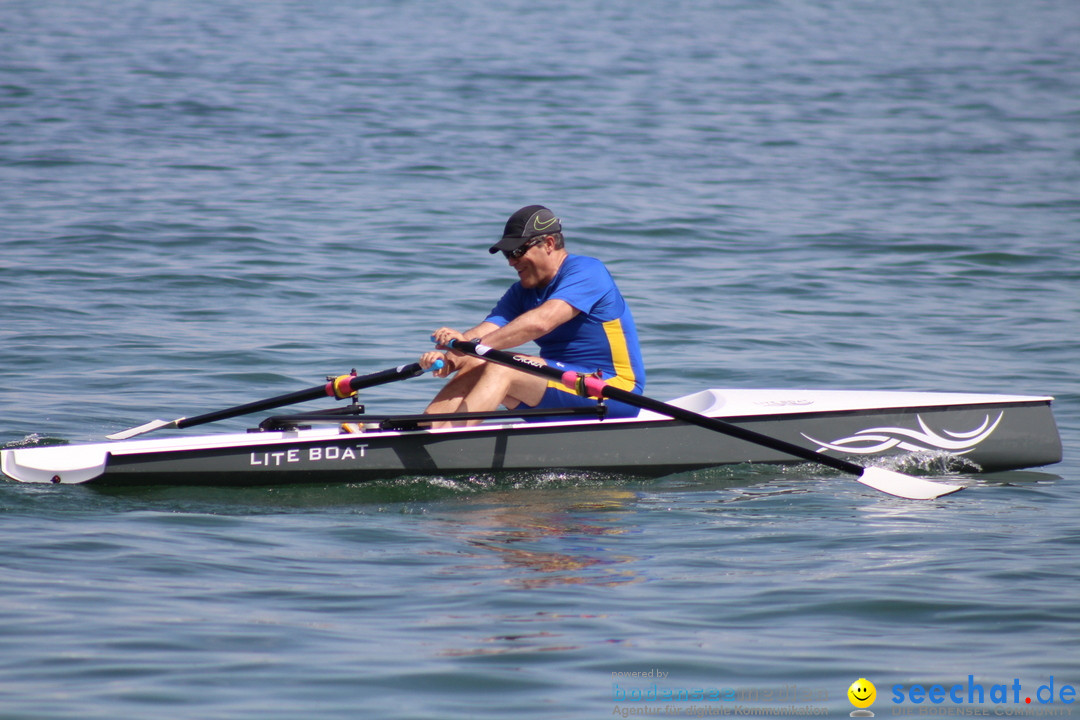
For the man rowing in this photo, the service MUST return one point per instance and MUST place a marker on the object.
(567, 304)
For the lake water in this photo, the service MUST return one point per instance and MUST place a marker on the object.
(207, 203)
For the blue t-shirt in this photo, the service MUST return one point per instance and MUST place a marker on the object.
(602, 336)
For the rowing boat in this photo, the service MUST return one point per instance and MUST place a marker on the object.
(988, 432)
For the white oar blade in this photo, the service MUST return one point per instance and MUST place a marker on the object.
(148, 427)
(905, 486)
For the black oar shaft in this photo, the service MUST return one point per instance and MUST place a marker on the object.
(329, 389)
(727, 428)
(595, 387)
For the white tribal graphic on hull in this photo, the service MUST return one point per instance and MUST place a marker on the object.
(880, 439)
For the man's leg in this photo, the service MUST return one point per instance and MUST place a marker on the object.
(449, 399)
(501, 385)
(483, 386)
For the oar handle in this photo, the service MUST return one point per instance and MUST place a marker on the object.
(345, 385)
(522, 362)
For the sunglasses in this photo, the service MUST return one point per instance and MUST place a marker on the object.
(522, 249)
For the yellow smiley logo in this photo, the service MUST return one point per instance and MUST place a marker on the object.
(862, 693)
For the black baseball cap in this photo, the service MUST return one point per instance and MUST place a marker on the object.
(526, 223)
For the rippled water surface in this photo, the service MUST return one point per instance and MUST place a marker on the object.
(208, 203)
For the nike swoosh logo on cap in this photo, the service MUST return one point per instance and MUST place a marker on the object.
(541, 228)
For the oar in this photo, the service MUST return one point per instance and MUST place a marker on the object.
(340, 387)
(886, 481)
